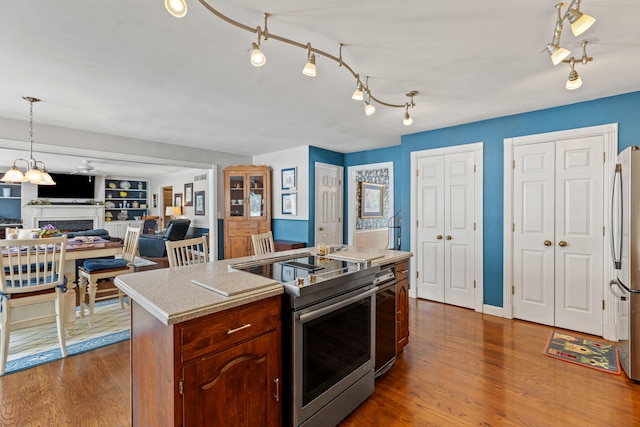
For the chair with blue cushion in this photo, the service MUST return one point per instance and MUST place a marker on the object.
(93, 270)
(32, 273)
(153, 245)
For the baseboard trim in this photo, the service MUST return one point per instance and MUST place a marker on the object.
(493, 310)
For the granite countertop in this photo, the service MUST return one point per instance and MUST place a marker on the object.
(170, 296)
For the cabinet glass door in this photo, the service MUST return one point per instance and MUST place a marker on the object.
(256, 195)
(236, 193)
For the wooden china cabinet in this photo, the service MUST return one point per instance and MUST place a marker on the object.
(247, 207)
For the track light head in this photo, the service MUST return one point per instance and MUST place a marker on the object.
(368, 108)
(574, 81)
(558, 54)
(407, 121)
(358, 94)
(579, 21)
(177, 8)
(310, 67)
(257, 57)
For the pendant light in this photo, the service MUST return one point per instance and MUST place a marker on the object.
(177, 8)
(33, 174)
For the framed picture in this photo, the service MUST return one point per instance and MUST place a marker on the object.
(371, 200)
(177, 199)
(155, 200)
(289, 179)
(289, 204)
(199, 205)
(188, 194)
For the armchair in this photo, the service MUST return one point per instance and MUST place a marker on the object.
(153, 245)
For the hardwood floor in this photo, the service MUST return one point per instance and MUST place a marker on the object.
(460, 368)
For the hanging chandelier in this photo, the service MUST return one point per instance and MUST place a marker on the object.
(36, 172)
(178, 8)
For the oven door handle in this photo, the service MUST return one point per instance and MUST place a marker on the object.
(328, 309)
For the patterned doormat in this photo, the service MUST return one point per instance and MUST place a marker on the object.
(585, 352)
(38, 345)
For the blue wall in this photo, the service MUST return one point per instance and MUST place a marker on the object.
(622, 109)
(323, 156)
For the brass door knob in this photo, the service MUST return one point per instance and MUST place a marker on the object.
(547, 243)
(562, 243)
(448, 237)
(321, 228)
(439, 237)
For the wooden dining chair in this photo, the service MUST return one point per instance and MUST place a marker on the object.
(263, 243)
(188, 251)
(32, 273)
(93, 270)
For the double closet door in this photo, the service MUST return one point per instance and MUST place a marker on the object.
(558, 233)
(446, 228)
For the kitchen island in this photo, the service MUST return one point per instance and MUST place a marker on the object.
(199, 357)
(209, 357)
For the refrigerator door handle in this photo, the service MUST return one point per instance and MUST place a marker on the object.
(617, 256)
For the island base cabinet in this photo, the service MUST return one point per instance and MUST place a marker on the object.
(402, 305)
(237, 387)
(221, 369)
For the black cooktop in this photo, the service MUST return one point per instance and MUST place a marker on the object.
(292, 269)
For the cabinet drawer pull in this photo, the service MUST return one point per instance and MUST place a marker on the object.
(277, 395)
(232, 331)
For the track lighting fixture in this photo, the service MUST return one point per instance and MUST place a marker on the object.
(579, 24)
(33, 174)
(178, 8)
(407, 120)
(579, 21)
(257, 57)
(310, 67)
(574, 81)
(357, 94)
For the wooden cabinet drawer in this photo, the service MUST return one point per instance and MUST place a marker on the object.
(402, 270)
(222, 330)
(244, 224)
(243, 232)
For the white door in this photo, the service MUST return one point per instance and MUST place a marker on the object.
(446, 229)
(534, 232)
(558, 233)
(328, 211)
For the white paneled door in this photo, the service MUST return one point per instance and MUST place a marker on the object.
(446, 228)
(558, 233)
(328, 220)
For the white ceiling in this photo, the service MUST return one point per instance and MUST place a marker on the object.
(128, 68)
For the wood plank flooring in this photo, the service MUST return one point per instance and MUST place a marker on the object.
(460, 368)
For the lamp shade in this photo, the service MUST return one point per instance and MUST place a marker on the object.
(310, 67)
(172, 211)
(574, 81)
(257, 57)
(579, 22)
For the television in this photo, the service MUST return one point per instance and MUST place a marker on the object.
(68, 187)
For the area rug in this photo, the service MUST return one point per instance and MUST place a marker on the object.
(585, 352)
(37, 345)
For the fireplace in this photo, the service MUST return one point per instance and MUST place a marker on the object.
(65, 217)
(68, 225)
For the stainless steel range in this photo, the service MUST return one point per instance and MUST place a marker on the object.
(330, 318)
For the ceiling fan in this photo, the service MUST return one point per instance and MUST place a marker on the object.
(85, 168)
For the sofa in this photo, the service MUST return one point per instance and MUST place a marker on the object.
(153, 245)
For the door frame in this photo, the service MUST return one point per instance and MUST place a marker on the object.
(351, 196)
(609, 132)
(317, 199)
(478, 149)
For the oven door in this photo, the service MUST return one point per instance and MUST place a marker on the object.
(333, 349)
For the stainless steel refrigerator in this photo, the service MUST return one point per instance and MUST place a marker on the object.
(625, 248)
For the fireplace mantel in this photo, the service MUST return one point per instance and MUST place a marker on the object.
(33, 214)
